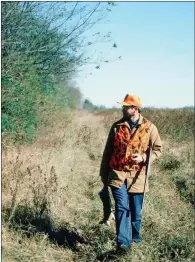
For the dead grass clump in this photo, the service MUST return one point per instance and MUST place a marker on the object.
(19, 247)
(181, 168)
(32, 188)
(169, 161)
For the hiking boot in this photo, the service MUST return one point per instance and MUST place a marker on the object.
(123, 248)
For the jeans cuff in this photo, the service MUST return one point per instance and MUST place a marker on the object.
(125, 244)
(136, 240)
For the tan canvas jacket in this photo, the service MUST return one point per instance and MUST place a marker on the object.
(135, 179)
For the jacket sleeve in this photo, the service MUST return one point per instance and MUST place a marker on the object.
(155, 143)
(104, 167)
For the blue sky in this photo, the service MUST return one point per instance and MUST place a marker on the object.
(156, 43)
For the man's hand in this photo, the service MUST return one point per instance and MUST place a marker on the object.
(137, 158)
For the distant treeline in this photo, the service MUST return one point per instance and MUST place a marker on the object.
(90, 107)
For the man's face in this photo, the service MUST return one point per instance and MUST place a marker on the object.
(129, 111)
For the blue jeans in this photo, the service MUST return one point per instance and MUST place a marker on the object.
(127, 215)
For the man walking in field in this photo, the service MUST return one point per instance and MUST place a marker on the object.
(123, 168)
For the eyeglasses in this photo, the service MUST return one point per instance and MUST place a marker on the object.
(128, 107)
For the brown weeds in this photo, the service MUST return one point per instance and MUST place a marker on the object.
(56, 181)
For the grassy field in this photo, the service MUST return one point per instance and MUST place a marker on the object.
(50, 204)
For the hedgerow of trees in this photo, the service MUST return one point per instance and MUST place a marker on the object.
(43, 47)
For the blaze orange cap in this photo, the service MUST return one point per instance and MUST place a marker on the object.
(131, 100)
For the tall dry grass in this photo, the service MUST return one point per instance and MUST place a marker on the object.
(51, 209)
(174, 124)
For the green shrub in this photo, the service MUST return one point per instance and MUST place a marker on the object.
(19, 105)
(184, 181)
(169, 161)
(176, 248)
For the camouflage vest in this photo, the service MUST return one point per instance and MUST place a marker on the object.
(126, 144)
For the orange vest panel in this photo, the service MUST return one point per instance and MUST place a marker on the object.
(126, 144)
